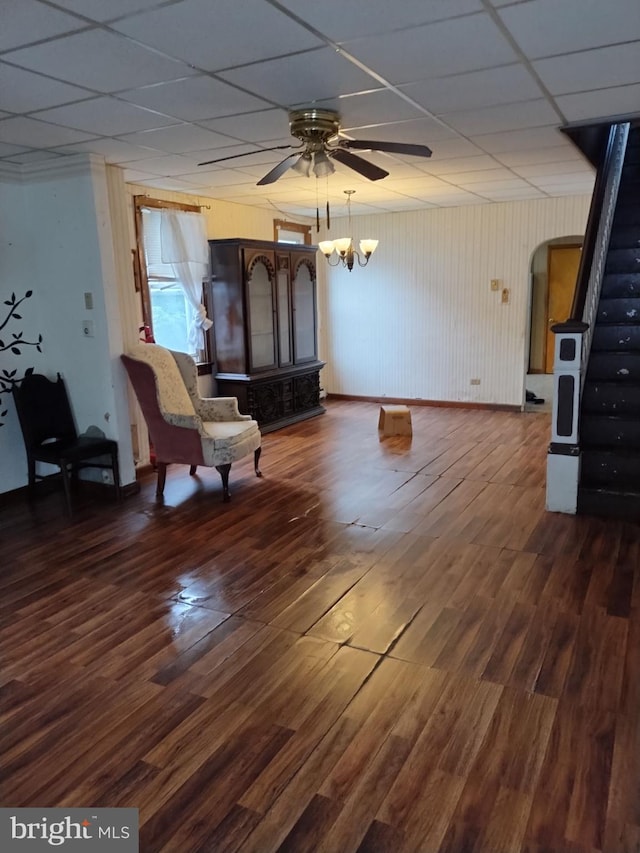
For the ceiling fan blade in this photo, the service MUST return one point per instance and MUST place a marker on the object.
(363, 167)
(389, 147)
(277, 171)
(244, 154)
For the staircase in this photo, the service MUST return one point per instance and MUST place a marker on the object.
(610, 410)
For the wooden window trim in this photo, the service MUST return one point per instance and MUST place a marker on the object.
(292, 226)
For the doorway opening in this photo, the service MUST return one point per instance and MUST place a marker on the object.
(554, 271)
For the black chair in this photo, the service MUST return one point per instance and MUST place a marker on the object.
(50, 434)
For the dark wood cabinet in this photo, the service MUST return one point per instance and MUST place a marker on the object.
(263, 298)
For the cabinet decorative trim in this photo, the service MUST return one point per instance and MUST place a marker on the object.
(261, 259)
(309, 264)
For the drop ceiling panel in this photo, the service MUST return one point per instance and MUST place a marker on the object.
(99, 10)
(169, 166)
(100, 60)
(519, 140)
(30, 132)
(339, 20)
(504, 117)
(23, 91)
(564, 150)
(617, 101)
(253, 30)
(28, 21)
(507, 84)
(547, 27)
(447, 47)
(253, 126)
(460, 164)
(365, 108)
(9, 151)
(194, 98)
(101, 116)
(305, 77)
(179, 139)
(590, 69)
(541, 170)
(113, 150)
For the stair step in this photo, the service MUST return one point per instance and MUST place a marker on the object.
(616, 337)
(610, 469)
(618, 311)
(614, 366)
(609, 431)
(627, 212)
(631, 170)
(625, 237)
(608, 503)
(620, 398)
(621, 285)
(623, 260)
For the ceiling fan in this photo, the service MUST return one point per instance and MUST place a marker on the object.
(318, 131)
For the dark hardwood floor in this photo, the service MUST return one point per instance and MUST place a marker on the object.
(381, 646)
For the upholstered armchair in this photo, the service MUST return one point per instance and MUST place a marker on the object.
(185, 427)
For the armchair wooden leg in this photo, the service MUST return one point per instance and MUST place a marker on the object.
(192, 470)
(223, 470)
(256, 461)
(162, 476)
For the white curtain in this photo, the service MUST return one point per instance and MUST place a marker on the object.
(183, 244)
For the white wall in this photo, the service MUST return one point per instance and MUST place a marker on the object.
(421, 320)
(16, 276)
(64, 222)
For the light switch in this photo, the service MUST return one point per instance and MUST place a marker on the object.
(495, 284)
(88, 301)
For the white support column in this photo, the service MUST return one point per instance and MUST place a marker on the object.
(563, 459)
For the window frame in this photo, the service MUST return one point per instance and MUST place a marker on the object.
(140, 267)
(285, 225)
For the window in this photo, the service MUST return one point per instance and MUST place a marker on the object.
(171, 291)
(170, 311)
(291, 232)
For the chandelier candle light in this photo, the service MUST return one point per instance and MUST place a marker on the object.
(345, 253)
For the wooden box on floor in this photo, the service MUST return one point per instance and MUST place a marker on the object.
(395, 420)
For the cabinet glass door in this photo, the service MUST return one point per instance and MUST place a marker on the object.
(261, 315)
(304, 315)
(284, 318)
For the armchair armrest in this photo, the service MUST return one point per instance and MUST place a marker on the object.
(220, 409)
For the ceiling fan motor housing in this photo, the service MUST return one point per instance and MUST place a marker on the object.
(314, 126)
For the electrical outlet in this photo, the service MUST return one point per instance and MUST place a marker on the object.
(475, 382)
(87, 328)
(505, 295)
(495, 284)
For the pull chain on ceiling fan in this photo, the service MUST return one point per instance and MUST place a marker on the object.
(318, 131)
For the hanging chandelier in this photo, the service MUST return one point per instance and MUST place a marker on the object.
(343, 246)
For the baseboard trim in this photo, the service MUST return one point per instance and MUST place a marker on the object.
(89, 486)
(445, 404)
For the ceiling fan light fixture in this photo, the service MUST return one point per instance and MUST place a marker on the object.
(322, 166)
(368, 247)
(342, 245)
(303, 165)
(326, 247)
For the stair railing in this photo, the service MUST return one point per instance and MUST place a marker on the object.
(573, 338)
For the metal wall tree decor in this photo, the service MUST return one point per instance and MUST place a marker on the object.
(15, 344)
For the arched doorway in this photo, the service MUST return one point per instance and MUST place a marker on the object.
(554, 268)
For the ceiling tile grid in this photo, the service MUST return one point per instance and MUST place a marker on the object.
(159, 86)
